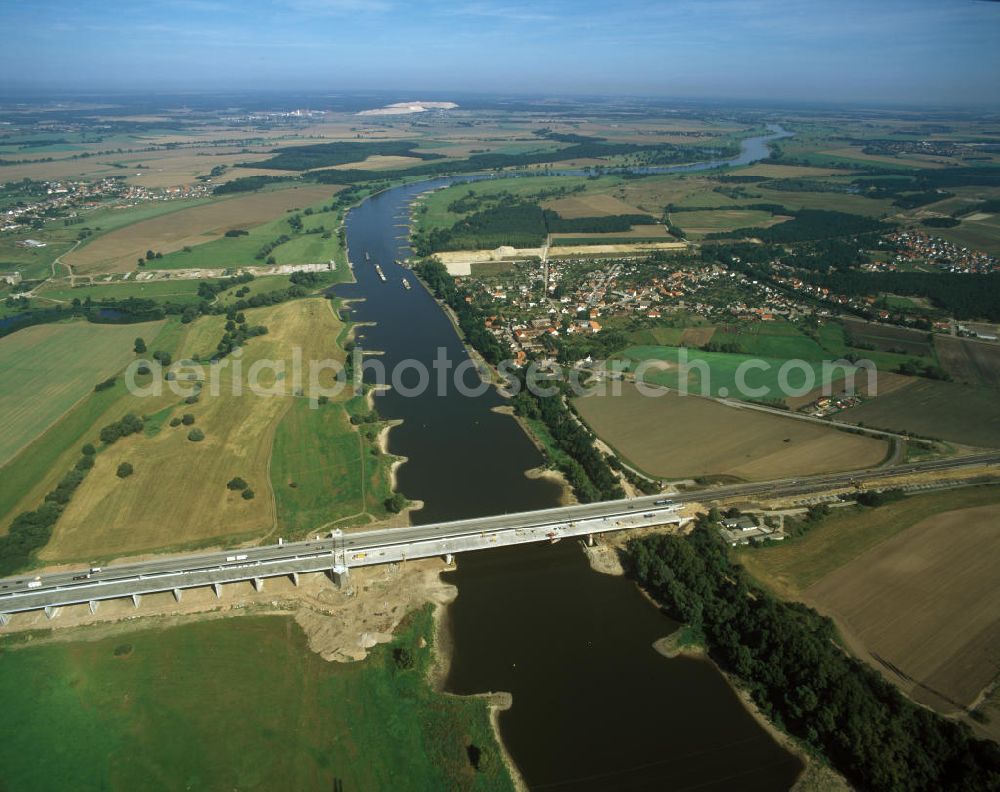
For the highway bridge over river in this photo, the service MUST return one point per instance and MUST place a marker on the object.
(336, 553)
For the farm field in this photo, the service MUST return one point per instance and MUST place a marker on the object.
(969, 361)
(178, 291)
(590, 205)
(980, 231)
(177, 495)
(301, 248)
(37, 468)
(931, 408)
(132, 715)
(673, 436)
(926, 602)
(48, 368)
(324, 470)
(720, 373)
(885, 338)
(117, 251)
(856, 153)
(699, 223)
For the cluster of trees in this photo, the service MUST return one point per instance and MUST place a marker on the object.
(964, 296)
(517, 223)
(237, 333)
(470, 317)
(306, 278)
(236, 232)
(586, 468)
(207, 290)
(249, 184)
(786, 656)
(807, 225)
(325, 155)
(940, 222)
(105, 385)
(264, 253)
(916, 368)
(827, 254)
(599, 346)
(128, 424)
(31, 530)
(587, 148)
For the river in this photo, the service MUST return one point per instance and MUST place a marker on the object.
(595, 707)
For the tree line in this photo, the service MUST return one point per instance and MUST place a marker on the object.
(787, 657)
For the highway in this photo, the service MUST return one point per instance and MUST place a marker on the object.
(174, 573)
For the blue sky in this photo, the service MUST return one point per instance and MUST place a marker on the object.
(920, 51)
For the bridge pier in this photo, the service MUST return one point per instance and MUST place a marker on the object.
(93, 606)
(177, 594)
(449, 558)
(51, 611)
(590, 540)
(135, 600)
(340, 575)
(217, 588)
(258, 584)
(295, 578)
(4, 619)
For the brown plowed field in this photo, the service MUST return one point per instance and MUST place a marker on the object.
(925, 604)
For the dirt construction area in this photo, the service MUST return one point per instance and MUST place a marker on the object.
(673, 436)
(341, 624)
(924, 605)
(118, 250)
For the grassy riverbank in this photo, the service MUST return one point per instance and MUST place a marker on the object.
(130, 713)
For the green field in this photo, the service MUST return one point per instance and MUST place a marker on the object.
(59, 238)
(35, 469)
(129, 712)
(178, 291)
(48, 368)
(318, 468)
(241, 251)
(433, 208)
(721, 367)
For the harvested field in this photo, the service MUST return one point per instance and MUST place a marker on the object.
(673, 436)
(177, 495)
(930, 408)
(712, 221)
(696, 336)
(887, 338)
(378, 162)
(636, 232)
(969, 361)
(925, 603)
(592, 205)
(856, 153)
(118, 250)
(48, 368)
(787, 171)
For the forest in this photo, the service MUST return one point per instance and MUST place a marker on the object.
(470, 318)
(662, 153)
(964, 296)
(788, 659)
(519, 224)
(807, 225)
(586, 469)
(325, 155)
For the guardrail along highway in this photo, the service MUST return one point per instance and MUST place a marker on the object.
(337, 552)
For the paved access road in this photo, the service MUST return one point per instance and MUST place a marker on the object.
(356, 549)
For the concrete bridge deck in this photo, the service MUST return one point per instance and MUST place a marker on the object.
(336, 553)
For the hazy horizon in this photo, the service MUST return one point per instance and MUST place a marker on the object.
(917, 53)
